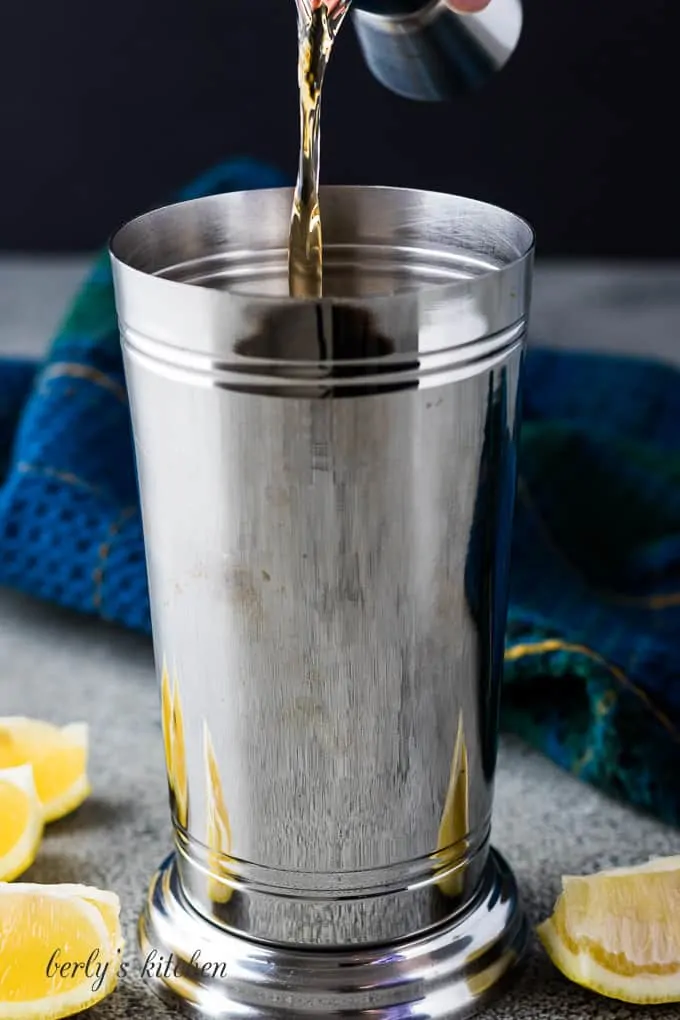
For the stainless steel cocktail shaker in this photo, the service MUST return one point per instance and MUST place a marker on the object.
(423, 49)
(327, 491)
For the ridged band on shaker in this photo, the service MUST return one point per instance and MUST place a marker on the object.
(431, 367)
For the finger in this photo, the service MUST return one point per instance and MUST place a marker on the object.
(468, 6)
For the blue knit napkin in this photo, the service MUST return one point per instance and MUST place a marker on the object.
(592, 648)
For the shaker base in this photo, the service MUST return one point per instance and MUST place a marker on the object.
(450, 972)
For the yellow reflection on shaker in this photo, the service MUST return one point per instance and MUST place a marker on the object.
(172, 720)
(218, 828)
(452, 844)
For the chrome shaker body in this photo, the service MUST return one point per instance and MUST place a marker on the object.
(427, 51)
(327, 492)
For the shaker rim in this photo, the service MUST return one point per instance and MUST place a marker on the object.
(124, 251)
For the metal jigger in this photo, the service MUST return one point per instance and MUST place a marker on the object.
(427, 51)
(327, 493)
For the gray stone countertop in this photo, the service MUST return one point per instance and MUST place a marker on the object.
(58, 666)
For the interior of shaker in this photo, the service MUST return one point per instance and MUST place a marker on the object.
(377, 241)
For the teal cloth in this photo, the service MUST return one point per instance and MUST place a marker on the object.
(593, 640)
(592, 650)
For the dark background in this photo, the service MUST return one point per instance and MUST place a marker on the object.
(105, 108)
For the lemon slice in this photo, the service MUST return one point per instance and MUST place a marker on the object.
(60, 947)
(618, 932)
(59, 760)
(21, 821)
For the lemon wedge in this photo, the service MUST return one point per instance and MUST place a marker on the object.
(618, 932)
(58, 756)
(21, 821)
(60, 947)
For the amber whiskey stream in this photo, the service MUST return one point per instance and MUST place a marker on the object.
(318, 25)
